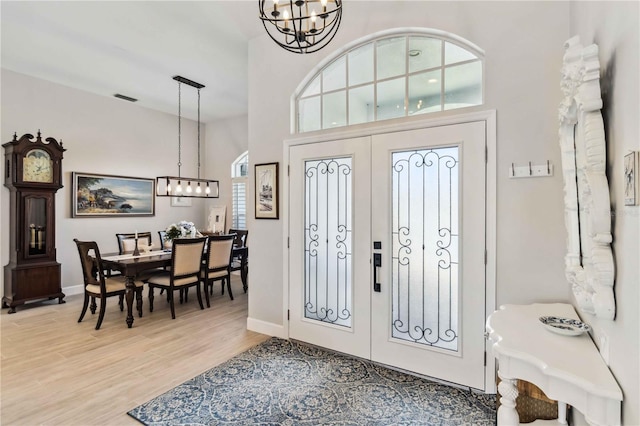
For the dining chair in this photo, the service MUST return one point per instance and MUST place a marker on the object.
(240, 241)
(186, 266)
(127, 241)
(218, 263)
(98, 285)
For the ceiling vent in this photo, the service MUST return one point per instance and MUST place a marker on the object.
(126, 98)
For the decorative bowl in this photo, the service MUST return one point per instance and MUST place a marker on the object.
(565, 326)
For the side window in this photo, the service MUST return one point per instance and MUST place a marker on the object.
(394, 76)
(239, 173)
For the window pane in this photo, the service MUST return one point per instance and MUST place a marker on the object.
(239, 206)
(334, 110)
(424, 92)
(313, 88)
(424, 238)
(309, 114)
(335, 75)
(361, 104)
(454, 53)
(391, 99)
(361, 65)
(327, 241)
(463, 85)
(424, 53)
(391, 57)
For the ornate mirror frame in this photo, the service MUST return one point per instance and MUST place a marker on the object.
(589, 266)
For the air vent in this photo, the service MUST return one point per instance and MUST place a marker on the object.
(126, 98)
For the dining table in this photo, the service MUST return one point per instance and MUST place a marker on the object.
(130, 266)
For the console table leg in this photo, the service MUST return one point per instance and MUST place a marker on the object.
(507, 414)
(562, 413)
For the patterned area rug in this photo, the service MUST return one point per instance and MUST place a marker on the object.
(280, 382)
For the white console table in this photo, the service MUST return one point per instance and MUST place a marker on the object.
(568, 369)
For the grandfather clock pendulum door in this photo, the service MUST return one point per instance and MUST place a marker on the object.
(33, 174)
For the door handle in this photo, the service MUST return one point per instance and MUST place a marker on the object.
(377, 262)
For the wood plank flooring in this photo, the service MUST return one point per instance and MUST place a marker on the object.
(56, 371)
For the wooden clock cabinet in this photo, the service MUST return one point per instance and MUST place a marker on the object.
(33, 174)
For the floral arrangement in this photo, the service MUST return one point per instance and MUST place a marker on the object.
(182, 229)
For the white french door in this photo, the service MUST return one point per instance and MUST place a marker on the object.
(329, 249)
(387, 245)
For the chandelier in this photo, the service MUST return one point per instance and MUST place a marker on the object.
(172, 186)
(301, 26)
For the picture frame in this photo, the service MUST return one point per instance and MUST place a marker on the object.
(97, 195)
(631, 179)
(266, 191)
(217, 219)
(180, 201)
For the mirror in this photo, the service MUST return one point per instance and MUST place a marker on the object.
(589, 266)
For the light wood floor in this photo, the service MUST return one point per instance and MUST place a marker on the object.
(56, 371)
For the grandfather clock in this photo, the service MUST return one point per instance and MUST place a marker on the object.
(33, 174)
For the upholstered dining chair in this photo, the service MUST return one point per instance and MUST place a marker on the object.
(127, 241)
(98, 285)
(218, 263)
(186, 266)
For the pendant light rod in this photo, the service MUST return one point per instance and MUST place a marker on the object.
(171, 186)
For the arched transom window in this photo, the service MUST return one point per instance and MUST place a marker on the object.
(392, 76)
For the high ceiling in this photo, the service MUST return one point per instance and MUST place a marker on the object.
(134, 48)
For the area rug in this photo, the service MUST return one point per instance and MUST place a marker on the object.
(281, 382)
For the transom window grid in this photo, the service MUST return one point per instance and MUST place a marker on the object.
(334, 99)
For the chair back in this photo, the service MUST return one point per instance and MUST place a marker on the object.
(127, 242)
(219, 251)
(241, 237)
(162, 235)
(186, 257)
(92, 270)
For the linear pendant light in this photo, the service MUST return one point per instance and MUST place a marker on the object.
(172, 186)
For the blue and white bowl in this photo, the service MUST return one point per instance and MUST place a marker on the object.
(566, 326)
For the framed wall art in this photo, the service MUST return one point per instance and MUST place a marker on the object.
(267, 195)
(631, 179)
(112, 196)
(180, 201)
(216, 220)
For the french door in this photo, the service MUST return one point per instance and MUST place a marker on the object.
(387, 247)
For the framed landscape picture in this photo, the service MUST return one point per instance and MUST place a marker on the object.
(112, 196)
(267, 191)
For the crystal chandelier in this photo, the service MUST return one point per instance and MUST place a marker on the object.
(172, 186)
(301, 26)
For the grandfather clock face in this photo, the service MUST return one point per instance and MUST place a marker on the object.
(37, 166)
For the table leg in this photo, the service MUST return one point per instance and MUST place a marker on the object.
(562, 413)
(507, 414)
(131, 289)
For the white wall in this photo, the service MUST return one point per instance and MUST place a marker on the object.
(614, 27)
(522, 84)
(102, 135)
(226, 140)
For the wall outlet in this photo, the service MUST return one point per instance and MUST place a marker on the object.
(604, 347)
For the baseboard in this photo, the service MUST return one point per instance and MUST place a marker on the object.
(72, 290)
(268, 328)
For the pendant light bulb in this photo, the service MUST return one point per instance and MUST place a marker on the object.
(189, 190)
(168, 186)
(198, 189)
(179, 188)
(208, 190)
